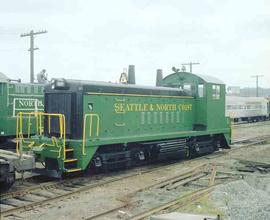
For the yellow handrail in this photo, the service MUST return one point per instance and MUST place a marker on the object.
(49, 124)
(40, 124)
(90, 128)
(40, 130)
(17, 134)
(29, 126)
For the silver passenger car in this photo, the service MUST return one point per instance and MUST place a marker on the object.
(247, 108)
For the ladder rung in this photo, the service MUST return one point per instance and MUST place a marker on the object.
(70, 160)
(73, 170)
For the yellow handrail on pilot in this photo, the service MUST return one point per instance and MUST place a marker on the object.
(29, 126)
(40, 124)
(90, 128)
(38, 115)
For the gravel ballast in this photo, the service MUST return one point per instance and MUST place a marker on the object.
(241, 200)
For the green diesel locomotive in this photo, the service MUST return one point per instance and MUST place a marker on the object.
(107, 125)
(14, 98)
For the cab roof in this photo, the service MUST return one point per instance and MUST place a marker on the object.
(196, 77)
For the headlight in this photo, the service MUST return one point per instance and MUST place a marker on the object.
(59, 84)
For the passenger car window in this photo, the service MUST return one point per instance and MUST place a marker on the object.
(36, 89)
(216, 91)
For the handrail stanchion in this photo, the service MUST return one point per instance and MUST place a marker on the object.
(49, 124)
(64, 141)
(20, 133)
(90, 128)
(60, 126)
(91, 124)
(29, 126)
(97, 125)
(17, 134)
(36, 115)
(40, 124)
(84, 138)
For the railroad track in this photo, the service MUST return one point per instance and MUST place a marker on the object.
(97, 177)
(13, 202)
(250, 124)
(185, 177)
(180, 180)
(47, 193)
(171, 205)
(252, 141)
(175, 204)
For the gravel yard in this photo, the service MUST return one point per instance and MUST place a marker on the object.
(248, 197)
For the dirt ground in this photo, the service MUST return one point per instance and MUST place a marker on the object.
(249, 130)
(245, 194)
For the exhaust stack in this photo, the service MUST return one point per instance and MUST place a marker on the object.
(159, 77)
(131, 74)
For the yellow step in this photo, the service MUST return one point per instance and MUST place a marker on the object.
(70, 160)
(73, 170)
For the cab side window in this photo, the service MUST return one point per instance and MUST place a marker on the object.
(189, 88)
(201, 90)
(216, 91)
(1, 89)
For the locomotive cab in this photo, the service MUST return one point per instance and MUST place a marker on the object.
(209, 95)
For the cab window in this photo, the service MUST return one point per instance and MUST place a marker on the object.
(201, 90)
(216, 91)
(1, 89)
(189, 88)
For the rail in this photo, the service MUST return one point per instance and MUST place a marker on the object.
(90, 116)
(39, 116)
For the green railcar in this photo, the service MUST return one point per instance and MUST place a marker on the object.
(106, 125)
(14, 98)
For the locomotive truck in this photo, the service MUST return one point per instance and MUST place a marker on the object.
(100, 125)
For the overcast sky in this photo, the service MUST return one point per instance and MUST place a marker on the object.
(95, 40)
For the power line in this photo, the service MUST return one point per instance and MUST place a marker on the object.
(257, 83)
(10, 49)
(190, 65)
(31, 35)
(6, 33)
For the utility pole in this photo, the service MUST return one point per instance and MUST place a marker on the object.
(257, 83)
(31, 35)
(190, 65)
